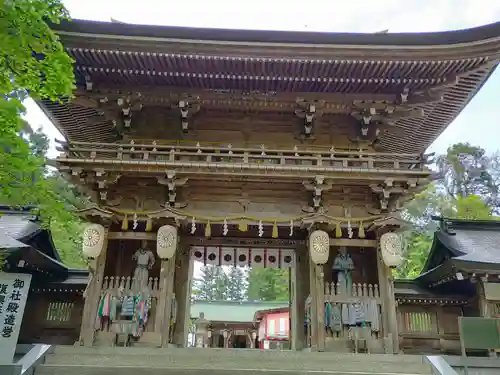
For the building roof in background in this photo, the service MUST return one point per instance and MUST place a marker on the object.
(19, 227)
(28, 247)
(232, 311)
(469, 246)
(7, 242)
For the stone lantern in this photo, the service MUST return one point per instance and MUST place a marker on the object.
(201, 331)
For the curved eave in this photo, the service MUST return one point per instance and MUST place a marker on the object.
(484, 37)
(456, 63)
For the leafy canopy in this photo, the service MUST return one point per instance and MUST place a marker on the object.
(467, 188)
(32, 62)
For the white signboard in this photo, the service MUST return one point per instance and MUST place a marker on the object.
(14, 288)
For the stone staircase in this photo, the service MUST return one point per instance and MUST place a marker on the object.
(193, 361)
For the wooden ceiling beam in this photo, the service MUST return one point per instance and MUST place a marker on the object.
(171, 94)
(155, 74)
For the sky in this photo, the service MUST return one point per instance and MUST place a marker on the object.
(476, 124)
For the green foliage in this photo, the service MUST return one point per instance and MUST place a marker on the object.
(32, 58)
(467, 188)
(472, 207)
(467, 170)
(212, 285)
(268, 284)
(418, 246)
(258, 284)
(237, 280)
(33, 62)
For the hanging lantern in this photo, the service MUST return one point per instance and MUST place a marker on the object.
(166, 241)
(391, 247)
(319, 246)
(93, 240)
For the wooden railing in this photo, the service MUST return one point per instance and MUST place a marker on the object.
(228, 155)
(360, 291)
(361, 294)
(117, 284)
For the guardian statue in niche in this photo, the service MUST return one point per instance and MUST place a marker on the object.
(145, 261)
(344, 266)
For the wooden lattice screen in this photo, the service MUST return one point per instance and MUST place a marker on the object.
(59, 312)
(419, 322)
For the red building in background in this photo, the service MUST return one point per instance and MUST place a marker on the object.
(273, 327)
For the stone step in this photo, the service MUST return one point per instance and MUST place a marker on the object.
(239, 359)
(172, 362)
(63, 352)
(134, 370)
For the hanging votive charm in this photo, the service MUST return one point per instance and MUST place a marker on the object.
(208, 230)
(149, 225)
(243, 225)
(361, 231)
(125, 222)
(275, 231)
(338, 231)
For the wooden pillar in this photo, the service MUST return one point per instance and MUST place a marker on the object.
(481, 299)
(314, 307)
(299, 293)
(182, 295)
(392, 310)
(320, 293)
(386, 289)
(92, 298)
(317, 307)
(165, 300)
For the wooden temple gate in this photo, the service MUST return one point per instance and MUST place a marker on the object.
(210, 138)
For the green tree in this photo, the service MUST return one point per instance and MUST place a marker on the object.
(66, 230)
(467, 170)
(466, 188)
(268, 284)
(237, 284)
(212, 285)
(32, 62)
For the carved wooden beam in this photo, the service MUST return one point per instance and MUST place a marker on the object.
(188, 106)
(172, 94)
(317, 187)
(172, 182)
(353, 242)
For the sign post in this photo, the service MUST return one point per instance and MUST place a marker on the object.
(478, 333)
(14, 288)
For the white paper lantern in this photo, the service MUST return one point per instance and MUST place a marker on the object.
(391, 247)
(319, 246)
(93, 240)
(166, 241)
